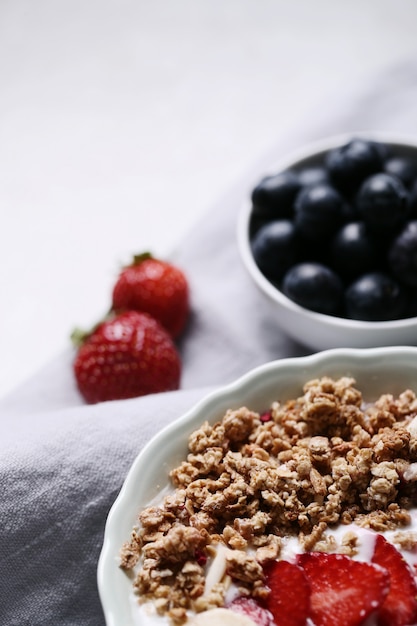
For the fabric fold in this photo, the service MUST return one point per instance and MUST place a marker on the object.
(62, 463)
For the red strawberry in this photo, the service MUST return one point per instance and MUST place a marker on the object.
(400, 606)
(127, 356)
(344, 592)
(289, 600)
(253, 610)
(155, 287)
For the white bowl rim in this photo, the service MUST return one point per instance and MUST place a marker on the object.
(273, 292)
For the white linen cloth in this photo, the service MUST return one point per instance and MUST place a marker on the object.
(62, 463)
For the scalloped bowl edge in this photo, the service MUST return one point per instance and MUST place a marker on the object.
(377, 370)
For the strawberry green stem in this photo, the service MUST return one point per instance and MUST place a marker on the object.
(138, 258)
(80, 335)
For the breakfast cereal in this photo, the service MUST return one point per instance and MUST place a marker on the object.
(320, 472)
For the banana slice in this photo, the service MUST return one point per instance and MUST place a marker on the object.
(412, 427)
(217, 569)
(220, 617)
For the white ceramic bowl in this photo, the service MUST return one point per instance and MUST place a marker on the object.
(377, 371)
(316, 330)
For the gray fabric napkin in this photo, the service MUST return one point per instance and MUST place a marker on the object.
(62, 463)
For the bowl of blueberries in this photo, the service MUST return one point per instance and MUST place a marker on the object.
(329, 236)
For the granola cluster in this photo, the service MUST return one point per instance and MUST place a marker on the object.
(251, 480)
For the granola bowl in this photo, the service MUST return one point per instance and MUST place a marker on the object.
(387, 371)
(335, 317)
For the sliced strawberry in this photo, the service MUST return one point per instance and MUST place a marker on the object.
(400, 606)
(289, 600)
(344, 592)
(253, 610)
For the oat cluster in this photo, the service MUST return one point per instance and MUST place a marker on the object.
(251, 480)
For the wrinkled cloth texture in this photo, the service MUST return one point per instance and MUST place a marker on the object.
(62, 463)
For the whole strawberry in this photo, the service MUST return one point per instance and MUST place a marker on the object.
(127, 356)
(156, 287)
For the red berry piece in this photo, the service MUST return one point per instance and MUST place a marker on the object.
(127, 356)
(253, 610)
(289, 600)
(344, 592)
(155, 287)
(266, 417)
(400, 606)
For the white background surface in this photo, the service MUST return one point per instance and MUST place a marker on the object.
(122, 122)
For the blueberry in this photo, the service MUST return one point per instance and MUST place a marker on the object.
(353, 250)
(412, 201)
(382, 202)
(315, 287)
(384, 150)
(313, 176)
(402, 256)
(350, 164)
(274, 196)
(274, 248)
(318, 211)
(375, 297)
(403, 168)
(411, 310)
